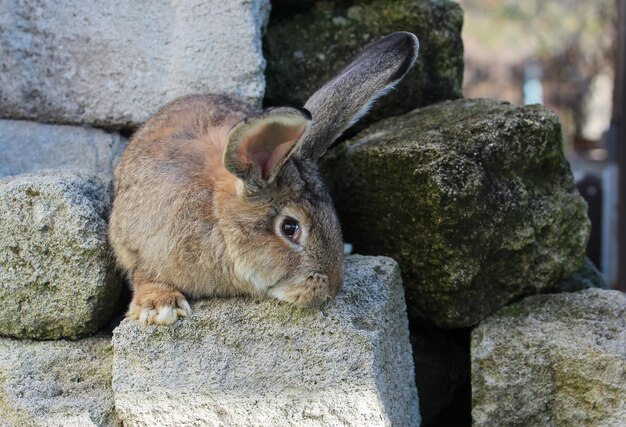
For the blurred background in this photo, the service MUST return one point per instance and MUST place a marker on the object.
(568, 55)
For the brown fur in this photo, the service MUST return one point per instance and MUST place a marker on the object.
(202, 188)
(151, 296)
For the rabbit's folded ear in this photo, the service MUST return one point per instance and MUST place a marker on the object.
(347, 96)
(259, 145)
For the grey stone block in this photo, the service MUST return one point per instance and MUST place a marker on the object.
(57, 277)
(246, 362)
(29, 146)
(552, 360)
(114, 63)
(56, 383)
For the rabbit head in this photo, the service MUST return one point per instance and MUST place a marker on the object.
(281, 230)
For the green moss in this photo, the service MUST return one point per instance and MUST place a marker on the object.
(473, 198)
(306, 47)
(586, 277)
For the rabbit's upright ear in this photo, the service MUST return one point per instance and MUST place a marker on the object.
(347, 96)
(259, 145)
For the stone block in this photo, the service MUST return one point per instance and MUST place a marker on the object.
(555, 360)
(113, 64)
(308, 42)
(57, 276)
(56, 383)
(474, 199)
(246, 362)
(29, 146)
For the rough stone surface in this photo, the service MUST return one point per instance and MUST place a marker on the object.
(56, 383)
(114, 63)
(308, 42)
(552, 360)
(57, 277)
(585, 277)
(28, 146)
(245, 362)
(473, 198)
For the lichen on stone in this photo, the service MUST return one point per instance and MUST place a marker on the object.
(474, 198)
(306, 45)
(555, 359)
(57, 273)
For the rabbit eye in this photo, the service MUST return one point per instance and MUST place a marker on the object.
(291, 229)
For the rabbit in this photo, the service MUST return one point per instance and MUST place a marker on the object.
(214, 197)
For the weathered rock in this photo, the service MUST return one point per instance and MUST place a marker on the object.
(307, 43)
(555, 360)
(474, 198)
(585, 277)
(29, 146)
(56, 383)
(245, 362)
(57, 278)
(115, 63)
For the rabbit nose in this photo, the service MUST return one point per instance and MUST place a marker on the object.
(335, 280)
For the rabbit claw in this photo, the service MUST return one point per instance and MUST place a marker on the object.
(159, 315)
(158, 305)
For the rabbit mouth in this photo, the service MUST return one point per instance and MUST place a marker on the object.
(313, 291)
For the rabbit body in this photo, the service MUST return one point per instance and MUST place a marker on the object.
(214, 197)
(166, 216)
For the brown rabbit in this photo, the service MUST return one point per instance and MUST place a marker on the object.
(215, 197)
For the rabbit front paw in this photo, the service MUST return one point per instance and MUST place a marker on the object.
(155, 303)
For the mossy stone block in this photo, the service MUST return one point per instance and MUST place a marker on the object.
(57, 275)
(552, 360)
(306, 44)
(474, 199)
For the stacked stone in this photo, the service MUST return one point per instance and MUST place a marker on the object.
(109, 67)
(477, 203)
(73, 76)
(75, 79)
(473, 198)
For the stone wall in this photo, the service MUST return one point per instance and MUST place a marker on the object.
(472, 198)
(115, 64)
